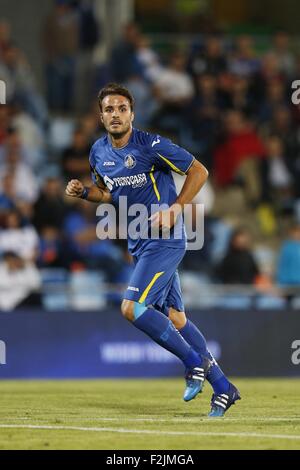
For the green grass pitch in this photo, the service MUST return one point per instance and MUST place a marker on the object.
(146, 414)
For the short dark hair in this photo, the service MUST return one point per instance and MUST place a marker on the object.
(115, 89)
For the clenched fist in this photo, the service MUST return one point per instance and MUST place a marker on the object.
(74, 188)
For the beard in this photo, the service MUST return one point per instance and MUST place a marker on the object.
(119, 133)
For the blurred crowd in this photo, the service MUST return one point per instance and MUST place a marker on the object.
(223, 98)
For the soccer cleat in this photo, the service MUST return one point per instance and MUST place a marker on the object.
(222, 402)
(195, 379)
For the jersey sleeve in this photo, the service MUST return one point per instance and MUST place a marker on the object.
(168, 155)
(96, 177)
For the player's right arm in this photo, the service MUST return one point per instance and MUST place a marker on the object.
(95, 193)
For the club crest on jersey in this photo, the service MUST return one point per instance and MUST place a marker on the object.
(129, 161)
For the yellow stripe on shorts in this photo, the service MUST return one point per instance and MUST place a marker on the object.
(146, 291)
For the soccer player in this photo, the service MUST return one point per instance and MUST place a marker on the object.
(133, 163)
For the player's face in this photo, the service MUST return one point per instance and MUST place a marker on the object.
(116, 115)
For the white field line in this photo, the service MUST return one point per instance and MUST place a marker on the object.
(153, 432)
(194, 419)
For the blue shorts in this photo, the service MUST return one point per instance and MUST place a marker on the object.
(155, 279)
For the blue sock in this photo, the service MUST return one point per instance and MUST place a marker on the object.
(195, 338)
(156, 325)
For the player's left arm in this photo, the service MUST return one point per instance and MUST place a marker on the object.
(196, 177)
(170, 156)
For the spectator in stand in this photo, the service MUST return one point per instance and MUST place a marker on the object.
(86, 247)
(148, 59)
(238, 266)
(21, 85)
(269, 70)
(61, 42)
(285, 128)
(275, 97)
(25, 182)
(288, 270)
(13, 143)
(235, 159)
(53, 249)
(124, 62)
(9, 200)
(19, 237)
(174, 85)
(144, 104)
(240, 97)
(282, 125)
(172, 89)
(24, 137)
(90, 31)
(90, 125)
(244, 61)
(50, 208)
(276, 179)
(75, 159)
(19, 283)
(31, 137)
(282, 50)
(89, 37)
(202, 119)
(208, 60)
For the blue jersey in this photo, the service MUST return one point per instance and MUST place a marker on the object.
(141, 171)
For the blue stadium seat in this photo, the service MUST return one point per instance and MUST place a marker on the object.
(55, 288)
